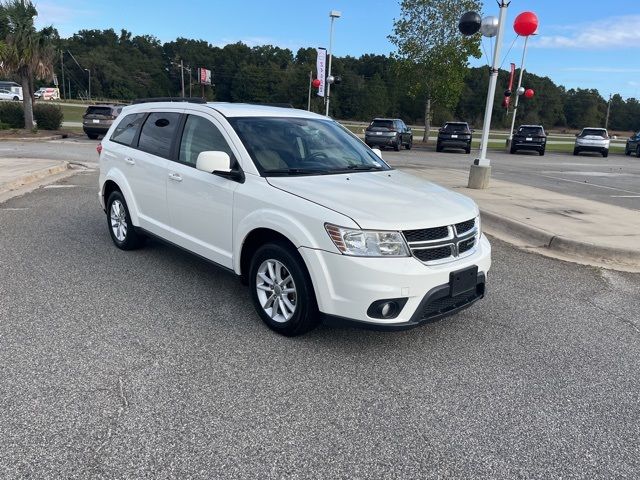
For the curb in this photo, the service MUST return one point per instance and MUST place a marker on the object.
(508, 229)
(31, 139)
(33, 177)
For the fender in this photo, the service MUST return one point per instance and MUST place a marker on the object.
(301, 235)
(116, 176)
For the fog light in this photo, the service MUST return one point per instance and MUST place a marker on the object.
(387, 308)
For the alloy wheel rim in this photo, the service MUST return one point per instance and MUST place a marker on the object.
(276, 290)
(118, 218)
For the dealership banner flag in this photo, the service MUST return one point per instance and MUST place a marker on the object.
(321, 64)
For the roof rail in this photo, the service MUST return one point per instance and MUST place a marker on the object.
(267, 104)
(169, 99)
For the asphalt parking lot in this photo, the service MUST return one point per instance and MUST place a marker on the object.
(614, 180)
(153, 364)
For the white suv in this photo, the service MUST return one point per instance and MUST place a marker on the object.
(317, 224)
(592, 140)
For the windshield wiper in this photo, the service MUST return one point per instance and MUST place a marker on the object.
(364, 167)
(295, 171)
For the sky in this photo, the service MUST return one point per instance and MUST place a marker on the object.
(580, 43)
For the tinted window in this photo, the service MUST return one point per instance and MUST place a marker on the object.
(200, 135)
(598, 132)
(381, 124)
(157, 133)
(126, 130)
(98, 111)
(530, 131)
(456, 127)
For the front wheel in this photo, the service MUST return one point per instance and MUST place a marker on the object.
(576, 151)
(638, 151)
(605, 153)
(541, 152)
(409, 145)
(121, 229)
(396, 146)
(281, 290)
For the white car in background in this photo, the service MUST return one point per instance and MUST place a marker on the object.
(47, 93)
(592, 140)
(313, 220)
(9, 95)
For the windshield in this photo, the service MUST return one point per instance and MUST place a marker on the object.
(530, 131)
(456, 127)
(596, 132)
(301, 146)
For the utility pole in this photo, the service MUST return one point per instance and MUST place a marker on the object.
(64, 88)
(515, 105)
(333, 14)
(480, 172)
(182, 75)
(89, 70)
(606, 122)
(309, 99)
(190, 82)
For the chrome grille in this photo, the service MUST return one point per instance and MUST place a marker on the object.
(443, 244)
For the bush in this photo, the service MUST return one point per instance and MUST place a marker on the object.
(12, 114)
(48, 117)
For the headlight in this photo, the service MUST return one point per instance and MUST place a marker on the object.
(367, 243)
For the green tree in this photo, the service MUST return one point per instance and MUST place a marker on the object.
(432, 51)
(24, 51)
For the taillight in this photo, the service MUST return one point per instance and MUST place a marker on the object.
(99, 148)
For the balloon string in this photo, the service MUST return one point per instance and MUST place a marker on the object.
(507, 54)
(485, 52)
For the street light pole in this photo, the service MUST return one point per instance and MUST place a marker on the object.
(481, 170)
(89, 70)
(182, 75)
(515, 104)
(333, 14)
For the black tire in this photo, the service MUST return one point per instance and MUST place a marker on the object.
(627, 152)
(438, 147)
(16, 99)
(638, 151)
(132, 239)
(541, 152)
(512, 150)
(305, 315)
(576, 151)
(396, 146)
(468, 149)
(605, 153)
(409, 145)
(92, 136)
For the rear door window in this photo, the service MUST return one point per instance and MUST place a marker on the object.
(456, 128)
(381, 125)
(127, 129)
(157, 133)
(530, 131)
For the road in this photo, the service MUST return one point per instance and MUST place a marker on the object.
(614, 180)
(153, 364)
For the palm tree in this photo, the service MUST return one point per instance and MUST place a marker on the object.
(24, 51)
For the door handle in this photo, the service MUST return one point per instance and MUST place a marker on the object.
(175, 176)
(130, 160)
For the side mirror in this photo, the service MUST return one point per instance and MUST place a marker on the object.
(212, 162)
(409, 129)
(377, 152)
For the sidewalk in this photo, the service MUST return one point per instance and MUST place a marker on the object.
(550, 223)
(17, 174)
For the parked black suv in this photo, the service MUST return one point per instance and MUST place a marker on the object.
(388, 132)
(633, 145)
(529, 137)
(454, 135)
(98, 118)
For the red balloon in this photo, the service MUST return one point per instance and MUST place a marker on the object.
(315, 83)
(526, 24)
(529, 93)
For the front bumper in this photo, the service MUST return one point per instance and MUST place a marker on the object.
(346, 286)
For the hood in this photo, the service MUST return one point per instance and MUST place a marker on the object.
(387, 200)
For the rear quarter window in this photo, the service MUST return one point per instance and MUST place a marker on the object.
(157, 133)
(127, 129)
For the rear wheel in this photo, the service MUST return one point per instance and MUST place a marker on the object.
(638, 151)
(396, 146)
(438, 147)
(281, 290)
(576, 151)
(512, 150)
(468, 149)
(92, 136)
(541, 152)
(605, 153)
(121, 229)
(16, 99)
(626, 150)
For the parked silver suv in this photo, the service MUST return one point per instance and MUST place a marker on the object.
(592, 140)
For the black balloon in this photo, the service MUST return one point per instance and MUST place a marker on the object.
(469, 23)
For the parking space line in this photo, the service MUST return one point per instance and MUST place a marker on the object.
(587, 184)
